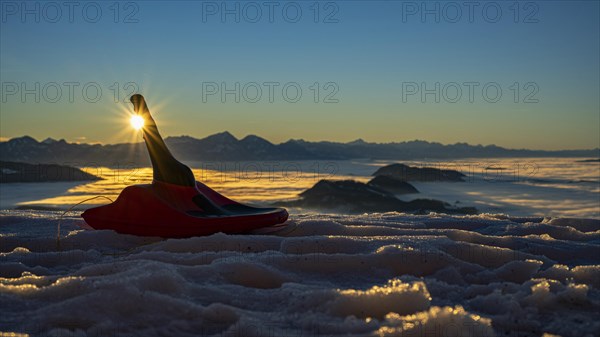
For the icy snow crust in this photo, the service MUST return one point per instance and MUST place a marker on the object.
(333, 275)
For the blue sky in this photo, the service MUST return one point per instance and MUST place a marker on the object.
(366, 59)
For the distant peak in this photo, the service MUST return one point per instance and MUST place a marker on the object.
(358, 141)
(49, 140)
(184, 138)
(224, 136)
(24, 140)
(254, 138)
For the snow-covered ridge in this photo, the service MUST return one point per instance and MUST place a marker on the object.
(328, 275)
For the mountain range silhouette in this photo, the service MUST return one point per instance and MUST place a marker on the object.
(225, 147)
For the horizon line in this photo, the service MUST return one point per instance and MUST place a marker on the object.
(6, 139)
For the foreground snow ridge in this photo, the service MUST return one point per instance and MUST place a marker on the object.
(387, 274)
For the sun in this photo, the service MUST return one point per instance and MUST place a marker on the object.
(137, 122)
